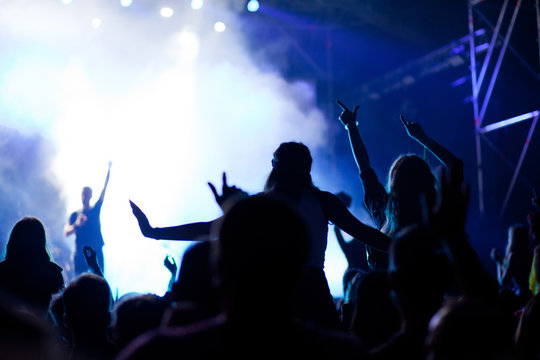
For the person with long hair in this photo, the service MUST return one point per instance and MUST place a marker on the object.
(411, 191)
(27, 274)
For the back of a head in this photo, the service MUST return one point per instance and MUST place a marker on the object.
(420, 270)
(528, 330)
(519, 236)
(27, 242)
(411, 186)
(136, 314)
(262, 246)
(468, 329)
(375, 317)
(533, 220)
(291, 167)
(87, 301)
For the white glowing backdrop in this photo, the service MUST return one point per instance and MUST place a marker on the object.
(170, 101)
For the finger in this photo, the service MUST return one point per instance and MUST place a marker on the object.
(403, 120)
(214, 191)
(224, 178)
(343, 107)
(133, 206)
(355, 109)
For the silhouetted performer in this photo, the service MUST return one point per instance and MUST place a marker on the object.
(86, 225)
(27, 274)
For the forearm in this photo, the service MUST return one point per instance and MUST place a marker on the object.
(358, 148)
(440, 152)
(70, 229)
(192, 231)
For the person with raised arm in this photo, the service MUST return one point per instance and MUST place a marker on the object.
(411, 185)
(85, 224)
(290, 180)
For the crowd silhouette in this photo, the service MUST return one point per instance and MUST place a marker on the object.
(253, 285)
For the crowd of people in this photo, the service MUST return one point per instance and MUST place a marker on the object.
(252, 283)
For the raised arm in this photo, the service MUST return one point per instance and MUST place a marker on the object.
(454, 164)
(348, 118)
(102, 196)
(192, 231)
(375, 196)
(340, 216)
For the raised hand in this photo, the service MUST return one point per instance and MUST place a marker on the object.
(414, 130)
(170, 264)
(144, 224)
(228, 193)
(347, 117)
(91, 259)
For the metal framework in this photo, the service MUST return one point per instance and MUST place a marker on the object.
(480, 98)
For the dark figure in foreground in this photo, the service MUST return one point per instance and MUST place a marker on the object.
(257, 234)
(86, 225)
(87, 302)
(28, 274)
(290, 180)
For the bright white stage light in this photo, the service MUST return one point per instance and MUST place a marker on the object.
(166, 12)
(220, 27)
(197, 4)
(66, 2)
(96, 22)
(126, 3)
(252, 5)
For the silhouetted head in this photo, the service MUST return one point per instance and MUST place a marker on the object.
(87, 301)
(533, 220)
(27, 242)
(412, 192)
(518, 239)
(291, 167)
(262, 249)
(528, 330)
(136, 314)
(420, 271)
(468, 329)
(86, 195)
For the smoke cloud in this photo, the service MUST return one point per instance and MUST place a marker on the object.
(171, 102)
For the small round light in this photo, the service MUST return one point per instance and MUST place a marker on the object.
(126, 3)
(166, 12)
(96, 22)
(197, 4)
(220, 27)
(252, 5)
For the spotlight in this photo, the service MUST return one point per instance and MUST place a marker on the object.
(166, 12)
(96, 22)
(126, 3)
(66, 2)
(252, 5)
(197, 4)
(219, 27)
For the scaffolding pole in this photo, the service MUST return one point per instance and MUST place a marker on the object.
(480, 100)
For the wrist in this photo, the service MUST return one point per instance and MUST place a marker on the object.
(354, 124)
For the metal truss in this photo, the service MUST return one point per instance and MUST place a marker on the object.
(481, 75)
